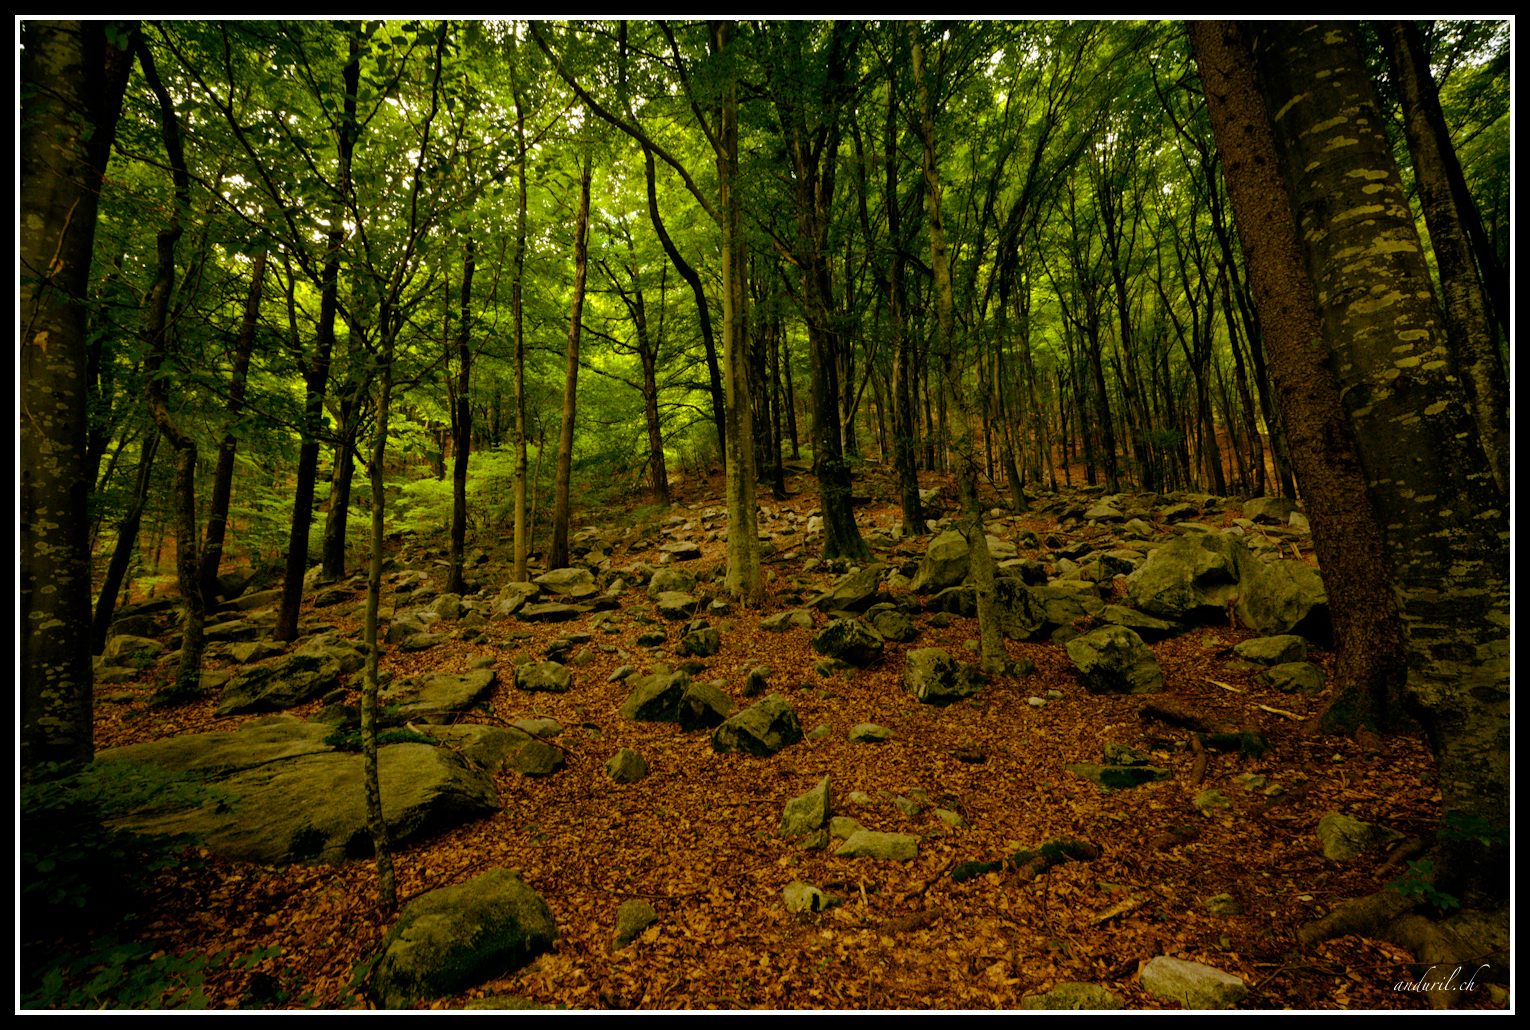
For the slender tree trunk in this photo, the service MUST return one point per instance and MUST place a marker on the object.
(223, 475)
(517, 317)
(337, 518)
(462, 427)
(558, 556)
(122, 551)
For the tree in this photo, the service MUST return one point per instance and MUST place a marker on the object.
(558, 556)
(1443, 536)
(73, 75)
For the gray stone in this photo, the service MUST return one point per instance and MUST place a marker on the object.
(656, 697)
(1073, 997)
(281, 683)
(548, 677)
(671, 579)
(761, 729)
(803, 897)
(702, 706)
(1190, 578)
(1284, 597)
(250, 651)
(854, 592)
(626, 766)
(1223, 905)
(512, 596)
(1273, 650)
(439, 693)
(849, 640)
(1344, 837)
(676, 604)
(1211, 801)
(807, 812)
(945, 563)
(897, 847)
(951, 818)
(633, 916)
(891, 624)
(1270, 511)
(681, 550)
(755, 683)
(1298, 677)
(1191, 984)
(542, 727)
(567, 583)
(780, 622)
(237, 629)
(496, 748)
(1118, 777)
(702, 642)
(932, 676)
(1114, 660)
(869, 733)
(551, 611)
(448, 607)
(842, 827)
(453, 938)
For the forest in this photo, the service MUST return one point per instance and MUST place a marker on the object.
(863, 515)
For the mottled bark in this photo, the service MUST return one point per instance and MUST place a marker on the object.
(558, 555)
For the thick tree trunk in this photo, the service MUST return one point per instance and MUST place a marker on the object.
(558, 555)
(73, 76)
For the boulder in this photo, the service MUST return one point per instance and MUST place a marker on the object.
(849, 640)
(281, 683)
(513, 595)
(671, 579)
(945, 563)
(137, 652)
(453, 938)
(897, 847)
(438, 693)
(676, 604)
(1191, 984)
(807, 812)
(626, 766)
(1269, 511)
(854, 592)
(1273, 650)
(499, 747)
(551, 611)
(869, 733)
(891, 623)
(780, 622)
(1284, 597)
(703, 706)
(1114, 660)
(1344, 837)
(1073, 997)
(931, 675)
(802, 897)
(567, 583)
(1191, 578)
(547, 677)
(1295, 677)
(656, 698)
(633, 916)
(761, 729)
(700, 641)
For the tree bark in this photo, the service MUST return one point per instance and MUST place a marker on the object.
(558, 555)
(462, 427)
(122, 550)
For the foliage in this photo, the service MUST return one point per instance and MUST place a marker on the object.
(1418, 882)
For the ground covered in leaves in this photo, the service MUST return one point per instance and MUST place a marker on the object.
(697, 837)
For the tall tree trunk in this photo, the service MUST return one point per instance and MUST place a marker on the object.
(1468, 326)
(122, 550)
(462, 426)
(743, 580)
(337, 518)
(316, 377)
(73, 75)
(518, 571)
(558, 555)
(223, 475)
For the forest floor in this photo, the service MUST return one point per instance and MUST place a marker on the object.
(697, 838)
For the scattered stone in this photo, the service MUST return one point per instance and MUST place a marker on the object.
(1211, 801)
(807, 812)
(932, 676)
(1114, 660)
(754, 683)
(1118, 777)
(681, 550)
(842, 827)
(671, 579)
(820, 732)
(1190, 578)
(702, 706)
(676, 604)
(897, 847)
(849, 640)
(1344, 837)
(804, 897)
(1223, 905)
(656, 697)
(544, 728)
(869, 733)
(815, 841)
(1191, 984)
(651, 638)
(951, 818)
(547, 677)
(1073, 997)
(1295, 677)
(1121, 754)
(1269, 511)
(495, 748)
(1036, 702)
(552, 611)
(1285, 597)
(437, 694)
(512, 596)
(1148, 627)
(456, 937)
(253, 651)
(891, 624)
(854, 592)
(278, 684)
(567, 583)
(621, 673)
(703, 641)
(945, 563)
(1273, 650)
(780, 622)
(633, 916)
(626, 766)
(761, 729)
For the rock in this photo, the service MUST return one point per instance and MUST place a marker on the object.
(897, 847)
(680, 550)
(849, 640)
(309, 806)
(279, 684)
(804, 897)
(1273, 650)
(891, 624)
(1103, 511)
(780, 622)
(633, 916)
(1269, 511)
(1191, 984)
(1285, 597)
(455, 937)
(438, 693)
(656, 697)
(1114, 660)
(703, 641)
(448, 607)
(567, 583)
(761, 729)
(807, 812)
(1146, 626)
(869, 733)
(1118, 777)
(671, 579)
(1344, 838)
(852, 593)
(330, 645)
(499, 747)
(626, 766)
(1073, 997)
(236, 629)
(1211, 801)
(931, 675)
(703, 706)
(842, 827)
(951, 818)
(1178, 512)
(1223, 905)
(755, 683)
(247, 652)
(1298, 677)
(542, 728)
(676, 604)
(945, 563)
(1121, 754)
(1191, 578)
(552, 611)
(547, 677)
(512, 596)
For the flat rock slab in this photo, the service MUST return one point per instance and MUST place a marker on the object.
(550, 677)
(1073, 997)
(282, 683)
(261, 741)
(453, 938)
(439, 693)
(309, 806)
(500, 747)
(552, 611)
(1193, 985)
(898, 847)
